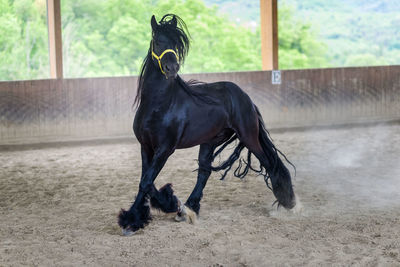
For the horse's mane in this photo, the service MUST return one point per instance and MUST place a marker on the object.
(181, 36)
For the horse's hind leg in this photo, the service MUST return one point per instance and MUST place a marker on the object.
(280, 179)
(193, 202)
(256, 139)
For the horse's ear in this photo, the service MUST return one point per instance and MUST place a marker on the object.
(153, 23)
(173, 21)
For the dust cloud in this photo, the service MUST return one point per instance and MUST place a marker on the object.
(358, 168)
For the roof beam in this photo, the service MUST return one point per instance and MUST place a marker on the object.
(269, 34)
(55, 39)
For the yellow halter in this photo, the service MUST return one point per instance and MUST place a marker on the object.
(154, 55)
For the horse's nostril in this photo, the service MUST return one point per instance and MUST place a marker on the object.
(171, 67)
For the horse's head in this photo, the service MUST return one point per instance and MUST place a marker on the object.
(169, 45)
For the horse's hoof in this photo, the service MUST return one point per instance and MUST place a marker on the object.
(127, 232)
(186, 214)
(180, 218)
(191, 215)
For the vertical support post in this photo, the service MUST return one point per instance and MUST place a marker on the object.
(55, 39)
(269, 34)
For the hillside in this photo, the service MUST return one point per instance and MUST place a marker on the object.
(241, 11)
(358, 32)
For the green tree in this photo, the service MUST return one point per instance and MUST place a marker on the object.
(115, 38)
(356, 33)
(298, 44)
(218, 44)
(23, 40)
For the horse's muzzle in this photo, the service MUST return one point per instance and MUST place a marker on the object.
(171, 69)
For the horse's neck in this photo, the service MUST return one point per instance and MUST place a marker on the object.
(155, 86)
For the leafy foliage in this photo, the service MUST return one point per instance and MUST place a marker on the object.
(23, 40)
(356, 33)
(114, 36)
(298, 46)
(111, 37)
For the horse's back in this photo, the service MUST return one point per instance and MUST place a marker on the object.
(238, 100)
(223, 90)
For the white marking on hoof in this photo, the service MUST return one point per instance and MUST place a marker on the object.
(180, 218)
(186, 215)
(191, 215)
(127, 232)
(182, 211)
(298, 208)
(181, 207)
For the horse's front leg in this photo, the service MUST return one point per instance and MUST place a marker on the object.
(163, 199)
(192, 205)
(139, 213)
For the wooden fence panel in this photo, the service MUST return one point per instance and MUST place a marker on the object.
(65, 109)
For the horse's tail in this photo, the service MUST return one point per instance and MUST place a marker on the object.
(269, 148)
(276, 171)
(227, 164)
(273, 170)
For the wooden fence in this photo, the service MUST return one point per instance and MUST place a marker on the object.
(75, 109)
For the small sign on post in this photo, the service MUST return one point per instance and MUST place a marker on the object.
(276, 77)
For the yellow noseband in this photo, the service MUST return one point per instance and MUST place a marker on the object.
(154, 55)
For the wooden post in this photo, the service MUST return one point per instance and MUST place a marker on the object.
(55, 39)
(269, 34)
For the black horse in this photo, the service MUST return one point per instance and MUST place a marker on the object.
(174, 114)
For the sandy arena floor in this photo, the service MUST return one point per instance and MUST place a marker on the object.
(59, 206)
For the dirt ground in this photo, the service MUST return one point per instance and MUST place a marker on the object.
(59, 206)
